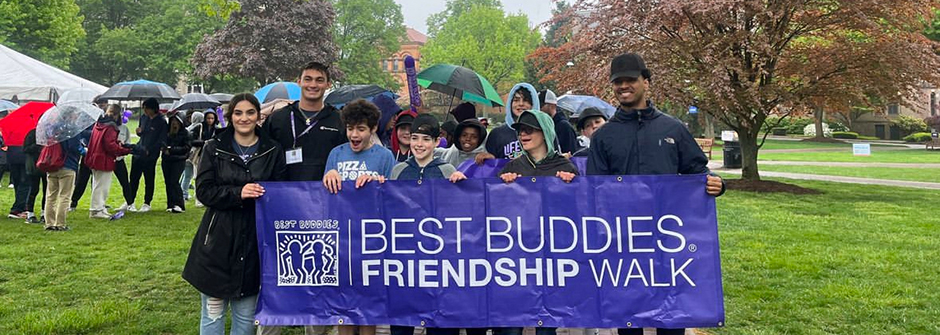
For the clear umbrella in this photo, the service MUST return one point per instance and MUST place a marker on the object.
(83, 94)
(65, 121)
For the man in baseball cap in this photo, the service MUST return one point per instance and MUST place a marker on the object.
(567, 139)
(667, 146)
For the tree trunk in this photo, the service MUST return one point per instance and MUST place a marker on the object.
(749, 155)
(709, 126)
(818, 114)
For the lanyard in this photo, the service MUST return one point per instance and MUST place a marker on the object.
(293, 128)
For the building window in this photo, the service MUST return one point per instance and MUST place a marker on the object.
(395, 65)
(893, 109)
(385, 65)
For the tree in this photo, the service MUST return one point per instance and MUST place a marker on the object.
(270, 41)
(555, 35)
(748, 59)
(486, 40)
(131, 39)
(46, 30)
(366, 32)
(456, 8)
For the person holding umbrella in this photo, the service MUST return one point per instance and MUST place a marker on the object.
(61, 182)
(152, 132)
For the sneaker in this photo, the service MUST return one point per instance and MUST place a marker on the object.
(10, 186)
(176, 209)
(144, 208)
(130, 208)
(32, 220)
(50, 228)
(42, 219)
(99, 215)
(199, 204)
(63, 228)
(71, 209)
(17, 215)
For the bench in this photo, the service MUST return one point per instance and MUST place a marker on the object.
(706, 145)
(933, 144)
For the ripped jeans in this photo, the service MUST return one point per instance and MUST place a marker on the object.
(212, 321)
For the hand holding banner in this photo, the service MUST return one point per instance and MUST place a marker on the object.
(602, 251)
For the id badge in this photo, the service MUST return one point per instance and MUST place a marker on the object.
(295, 156)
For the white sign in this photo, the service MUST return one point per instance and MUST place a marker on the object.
(729, 135)
(861, 149)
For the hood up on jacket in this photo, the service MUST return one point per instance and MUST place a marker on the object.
(532, 92)
(548, 130)
(197, 118)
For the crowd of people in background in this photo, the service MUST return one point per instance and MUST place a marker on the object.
(309, 140)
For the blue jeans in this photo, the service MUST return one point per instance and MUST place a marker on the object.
(213, 315)
(186, 179)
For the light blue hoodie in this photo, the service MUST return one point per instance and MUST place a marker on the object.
(502, 142)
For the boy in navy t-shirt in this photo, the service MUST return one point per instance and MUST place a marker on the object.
(358, 159)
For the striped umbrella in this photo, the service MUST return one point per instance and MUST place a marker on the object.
(459, 82)
(279, 90)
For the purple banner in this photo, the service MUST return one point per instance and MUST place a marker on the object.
(411, 75)
(602, 251)
(491, 167)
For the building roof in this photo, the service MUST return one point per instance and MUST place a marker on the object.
(415, 36)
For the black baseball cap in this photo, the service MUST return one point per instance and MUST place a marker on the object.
(403, 119)
(628, 65)
(528, 119)
(426, 124)
(588, 113)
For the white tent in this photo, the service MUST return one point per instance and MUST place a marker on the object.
(30, 79)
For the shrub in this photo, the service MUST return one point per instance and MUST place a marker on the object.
(836, 126)
(810, 130)
(796, 126)
(909, 124)
(844, 134)
(917, 137)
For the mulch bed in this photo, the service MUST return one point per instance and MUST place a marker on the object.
(767, 186)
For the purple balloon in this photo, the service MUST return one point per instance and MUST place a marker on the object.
(126, 116)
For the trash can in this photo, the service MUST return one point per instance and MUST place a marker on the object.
(732, 154)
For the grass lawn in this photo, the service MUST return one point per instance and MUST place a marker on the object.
(782, 144)
(831, 263)
(856, 260)
(909, 174)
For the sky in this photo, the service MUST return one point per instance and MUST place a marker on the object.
(416, 12)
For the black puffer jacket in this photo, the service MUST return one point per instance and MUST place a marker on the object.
(223, 260)
(328, 133)
(177, 146)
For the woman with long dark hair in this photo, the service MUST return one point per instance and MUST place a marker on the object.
(174, 161)
(223, 263)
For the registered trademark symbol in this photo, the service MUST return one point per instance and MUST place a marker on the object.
(692, 247)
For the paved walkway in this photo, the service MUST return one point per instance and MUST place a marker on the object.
(716, 167)
(849, 164)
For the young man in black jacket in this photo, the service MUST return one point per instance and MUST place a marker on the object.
(152, 132)
(309, 128)
(641, 140)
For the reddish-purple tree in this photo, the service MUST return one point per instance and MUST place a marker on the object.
(744, 60)
(270, 40)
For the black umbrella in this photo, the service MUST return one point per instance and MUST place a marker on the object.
(140, 90)
(195, 101)
(222, 97)
(343, 95)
